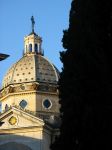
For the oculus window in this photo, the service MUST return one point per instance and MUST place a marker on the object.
(13, 120)
(23, 104)
(47, 104)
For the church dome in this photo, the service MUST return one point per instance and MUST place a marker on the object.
(33, 66)
(30, 68)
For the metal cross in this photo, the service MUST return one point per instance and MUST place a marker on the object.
(33, 22)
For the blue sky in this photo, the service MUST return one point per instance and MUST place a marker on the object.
(51, 18)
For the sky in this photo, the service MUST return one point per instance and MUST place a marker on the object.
(51, 18)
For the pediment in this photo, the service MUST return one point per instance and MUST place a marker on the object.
(16, 118)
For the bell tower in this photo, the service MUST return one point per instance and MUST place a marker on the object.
(33, 42)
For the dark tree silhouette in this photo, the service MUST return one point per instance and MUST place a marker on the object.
(85, 84)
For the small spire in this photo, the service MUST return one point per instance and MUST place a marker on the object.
(33, 22)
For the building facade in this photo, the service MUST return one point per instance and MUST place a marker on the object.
(29, 100)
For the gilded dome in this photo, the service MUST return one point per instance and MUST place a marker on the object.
(30, 68)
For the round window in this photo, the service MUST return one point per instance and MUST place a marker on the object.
(22, 87)
(23, 104)
(12, 120)
(47, 103)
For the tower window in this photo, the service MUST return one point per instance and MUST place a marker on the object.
(36, 48)
(30, 47)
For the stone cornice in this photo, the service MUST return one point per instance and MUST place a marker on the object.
(21, 130)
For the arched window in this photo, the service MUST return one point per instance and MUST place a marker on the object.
(30, 47)
(36, 48)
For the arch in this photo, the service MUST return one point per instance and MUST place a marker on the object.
(36, 48)
(14, 146)
(30, 47)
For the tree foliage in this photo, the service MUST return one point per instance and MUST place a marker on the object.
(86, 80)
